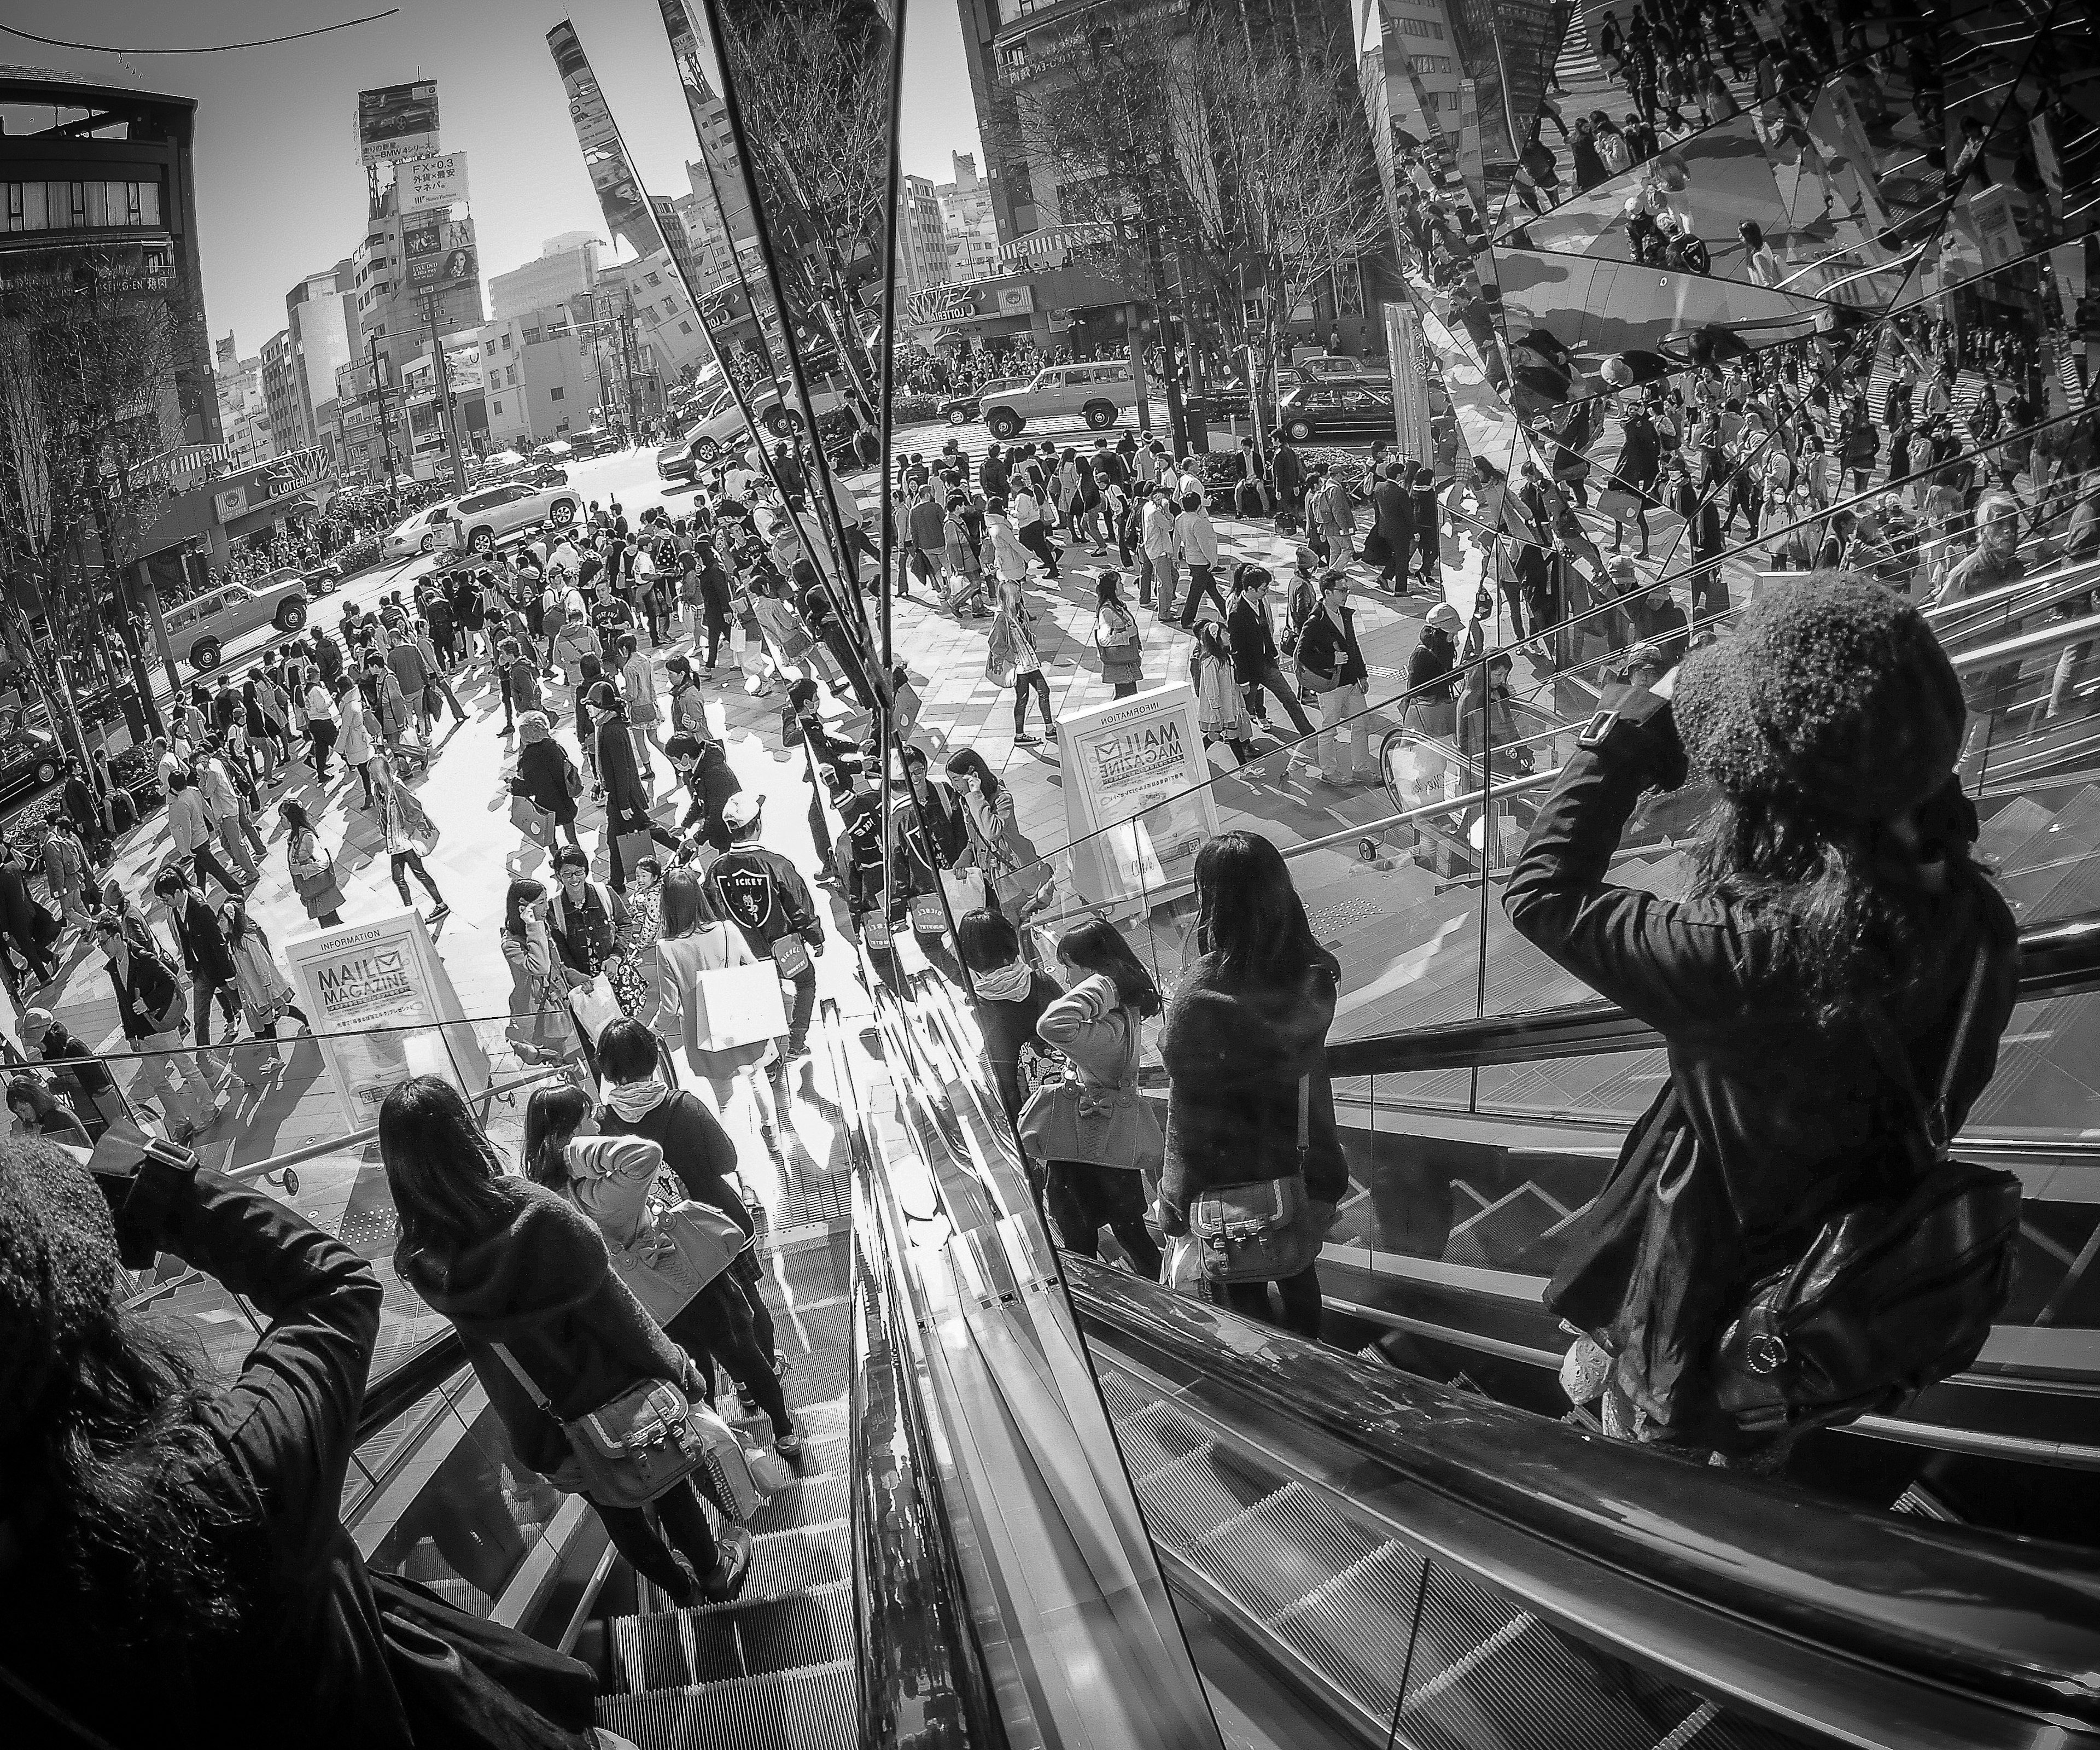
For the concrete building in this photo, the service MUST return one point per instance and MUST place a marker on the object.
(710, 253)
(99, 176)
(406, 265)
(666, 323)
(280, 394)
(539, 376)
(551, 278)
(969, 232)
(244, 407)
(320, 315)
(922, 248)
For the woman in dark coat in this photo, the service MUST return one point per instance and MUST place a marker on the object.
(29, 926)
(511, 1263)
(1245, 1027)
(543, 769)
(626, 801)
(1640, 458)
(1834, 899)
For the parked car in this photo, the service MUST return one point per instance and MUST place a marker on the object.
(1339, 407)
(721, 428)
(200, 629)
(1096, 393)
(674, 461)
(556, 451)
(322, 579)
(1324, 365)
(963, 409)
(29, 760)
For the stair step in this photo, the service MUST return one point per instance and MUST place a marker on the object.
(814, 1500)
(1194, 1496)
(815, 1708)
(780, 1622)
(1282, 1548)
(1155, 1436)
(1358, 1627)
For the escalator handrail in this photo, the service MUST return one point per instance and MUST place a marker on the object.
(2055, 959)
(2006, 1622)
(413, 1378)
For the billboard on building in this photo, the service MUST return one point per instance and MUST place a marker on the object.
(397, 121)
(424, 185)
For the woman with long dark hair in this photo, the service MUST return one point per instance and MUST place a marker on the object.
(312, 870)
(1245, 1045)
(511, 1263)
(995, 846)
(168, 1543)
(1835, 924)
(1099, 1116)
(541, 1029)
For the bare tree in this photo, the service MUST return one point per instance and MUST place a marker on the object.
(88, 357)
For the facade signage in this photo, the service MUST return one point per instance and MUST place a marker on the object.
(423, 185)
(397, 121)
(1138, 802)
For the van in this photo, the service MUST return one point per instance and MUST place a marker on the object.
(1096, 393)
(200, 629)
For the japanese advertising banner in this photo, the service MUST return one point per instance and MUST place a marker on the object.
(426, 185)
(383, 1008)
(1137, 797)
(397, 121)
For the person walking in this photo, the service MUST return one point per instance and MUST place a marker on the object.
(68, 873)
(995, 846)
(697, 939)
(311, 868)
(541, 1029)
(409, 834)
(78, 1073)
(1838, 952)
(317, 704)
(149, 1004)
(354, 730)
(626, 799)
(524, 1277)
(1196, 540)
(962, 557)
(1157, 542)
(189, 824)
(546, 774)
(1392, 513)
(1333, 664)
(205, 958)
(1011, 641)
(1331, 515)
(637, 680)
(764, 896)
(1245, 1048)
(1251, 631)
(1115, 1150)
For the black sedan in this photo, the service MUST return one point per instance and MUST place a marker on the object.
(27, 760)
(1338, 407)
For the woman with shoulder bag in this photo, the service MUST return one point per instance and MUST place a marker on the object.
(1831, 988)
(1116, 637)
(541, 1030)
(675, 1254)
(1095, 1134)
(552, 1332)
(1254, 1168)
(312, 870)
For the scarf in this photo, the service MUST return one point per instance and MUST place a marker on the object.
(1009, 984)
(635, 1100)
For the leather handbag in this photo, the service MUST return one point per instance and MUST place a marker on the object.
(1895, 1292)
(1070, 1119)
(685, 1247)
(1262, 1230)
(639, 1443)
(1617, 503)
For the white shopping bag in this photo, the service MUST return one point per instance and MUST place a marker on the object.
(738, 1005)
(595, 1009)
(965, 888)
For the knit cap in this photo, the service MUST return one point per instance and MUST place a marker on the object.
(57, 1272)
(1832, 693)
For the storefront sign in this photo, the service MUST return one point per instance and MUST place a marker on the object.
(383, 1008)
(1138, 803)
(424, 184)
(397, 121)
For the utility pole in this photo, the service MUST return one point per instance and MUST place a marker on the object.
(631, 358)
(379, 389)
(448, 419)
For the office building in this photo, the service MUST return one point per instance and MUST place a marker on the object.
(922, 248)
(566, 268)
(320, 317)
(969, 232)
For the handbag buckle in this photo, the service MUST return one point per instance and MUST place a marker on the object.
(1765, 1353)
(1594, 731)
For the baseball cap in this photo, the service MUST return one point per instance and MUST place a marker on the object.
(1444, 618)
(36, 1023)
(741, 810)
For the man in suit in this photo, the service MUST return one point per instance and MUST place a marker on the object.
(205, 957)
(1253, 634)
(1392, 509)
(149, 1003)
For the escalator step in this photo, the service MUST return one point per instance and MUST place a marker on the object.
(1487, 1675)
(1285, 1546)
(810, 1709)
(1155, 1436)
(812, 1501)
(1356, 1627)
(1195, 1495)
(782, 1634)
(648, 1651)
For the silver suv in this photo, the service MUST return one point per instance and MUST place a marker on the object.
(1096, 393)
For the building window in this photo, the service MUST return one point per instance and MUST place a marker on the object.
(556, 392)
(496, 407)
(510, 377)
(670, 306)
(531, 337)
(655, 280)
(506, 340)
(1422, 27)
(684, 327)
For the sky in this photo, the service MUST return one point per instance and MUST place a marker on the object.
(280, 192)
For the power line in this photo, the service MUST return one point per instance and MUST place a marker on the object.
(209, 48)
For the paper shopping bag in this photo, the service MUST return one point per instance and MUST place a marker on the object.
(595, 1009)
(965, 888)
(738, 1005)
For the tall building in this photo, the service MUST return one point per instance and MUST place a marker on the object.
(320, 315)
(568, 267)
(667, 326)
(711, 255)
(922, 248)
(280, 394)
(411, 264)
(720, 161)
(103, 179)
(969, 232)
(244, 407)
(540, 376)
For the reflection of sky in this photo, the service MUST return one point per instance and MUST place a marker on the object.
(1597, 307)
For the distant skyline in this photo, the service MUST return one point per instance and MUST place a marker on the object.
(280, 192)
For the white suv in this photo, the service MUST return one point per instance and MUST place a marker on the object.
(483, 518)
(1095, 393)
